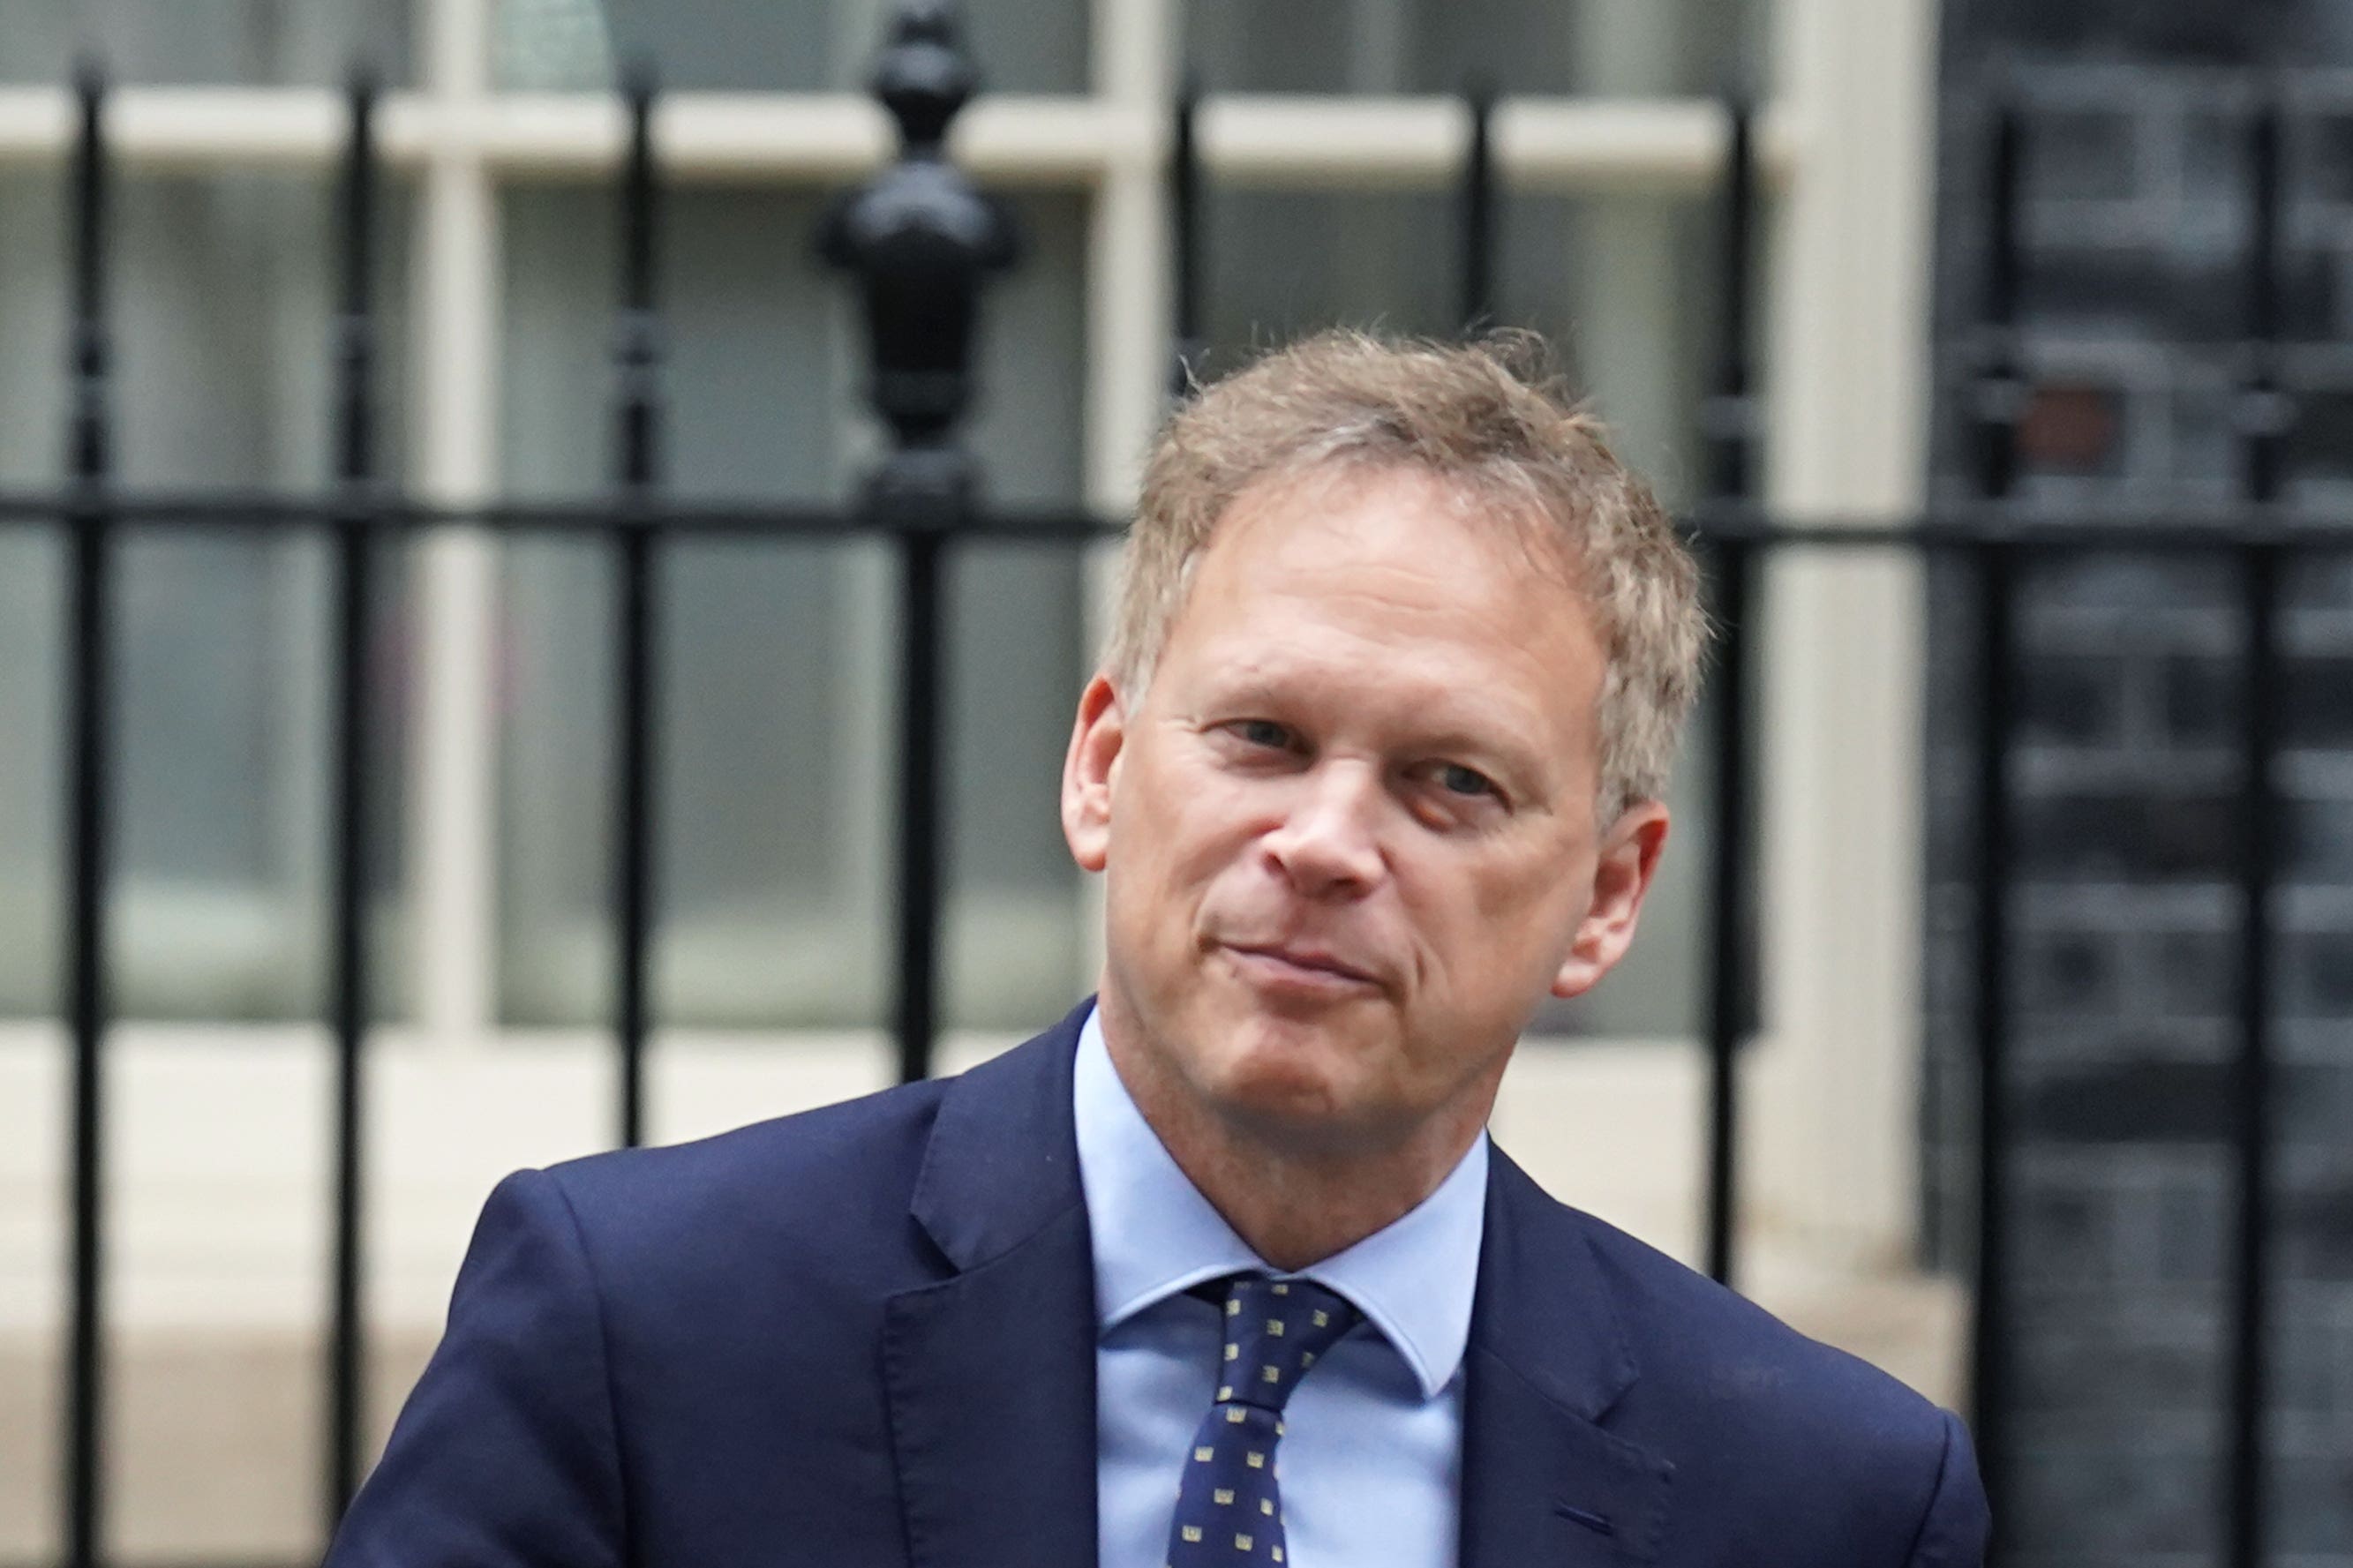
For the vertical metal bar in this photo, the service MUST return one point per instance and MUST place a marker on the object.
(2000, 399)
(348, 978)
(2264, 429)
(638, 351)
(1729, 421)
(89, 715)
(1997, 708)
(1728, 895)
(1185, 232)
(2265, 414)
(2000, 393)
(1730, 416)
(2258, 803)
(922, 240)
(1476, 308)
(923, 657)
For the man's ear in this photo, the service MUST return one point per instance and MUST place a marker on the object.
(1621, 876)
(1089, 768)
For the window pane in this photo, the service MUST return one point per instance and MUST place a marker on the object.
(33, 309)
(1624, 287)
(225, 43)
(1021, 45)
(221, 300)
(32, 590)
(778, 657)
(1610, 47)
(1016, 658)
(1628, 288)
(1282, 263)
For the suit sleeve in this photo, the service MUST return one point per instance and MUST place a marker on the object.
(505, 1455)
(1953, 1529)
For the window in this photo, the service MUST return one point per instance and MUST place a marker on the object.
(777, 655)
(1327, 194)
(1331, 197)
(222, 306)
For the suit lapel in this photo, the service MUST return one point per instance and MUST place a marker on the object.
(1543, 1482)
(990, 1373)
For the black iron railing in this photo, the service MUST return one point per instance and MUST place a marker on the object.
(918, 241)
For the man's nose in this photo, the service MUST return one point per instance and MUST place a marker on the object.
(1329, 845)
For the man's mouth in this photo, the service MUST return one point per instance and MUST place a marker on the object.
(1299, 968)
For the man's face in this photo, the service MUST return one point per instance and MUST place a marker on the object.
(1348, 831)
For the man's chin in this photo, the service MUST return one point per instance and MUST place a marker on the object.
(1305, 1086)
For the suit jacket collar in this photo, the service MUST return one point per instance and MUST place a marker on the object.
(1543, 1481)
(990, 1373)
(1003, 1161)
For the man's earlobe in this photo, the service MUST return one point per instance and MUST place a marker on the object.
(1089, 768)
(1622, 877)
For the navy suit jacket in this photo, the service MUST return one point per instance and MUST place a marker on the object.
(866, 1335)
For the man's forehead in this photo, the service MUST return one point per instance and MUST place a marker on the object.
(1343, 495)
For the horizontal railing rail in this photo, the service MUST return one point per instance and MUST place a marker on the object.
(2171, 528)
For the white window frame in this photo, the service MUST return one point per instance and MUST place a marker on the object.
(1828, 1179)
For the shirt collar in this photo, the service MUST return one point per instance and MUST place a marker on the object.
(1155, 1235)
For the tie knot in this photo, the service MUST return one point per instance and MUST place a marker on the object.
(1275, 1330)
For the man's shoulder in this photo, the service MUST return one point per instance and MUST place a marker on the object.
(794, 1200)
(1793, 1440)
(1699, 1345)
(810, 1163)
(829, 1194)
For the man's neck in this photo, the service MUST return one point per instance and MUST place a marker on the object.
(1294, 1206)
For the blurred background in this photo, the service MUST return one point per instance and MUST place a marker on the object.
(2166, 275)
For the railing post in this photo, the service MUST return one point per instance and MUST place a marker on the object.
(347, 981)
(637, 353)
(1186, 234)
(1729, 421)
(2264, 419)
(89, 717)
(1999, 397)
(1476, 306)
(921, 239)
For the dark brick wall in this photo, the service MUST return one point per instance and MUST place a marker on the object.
(2134, 212)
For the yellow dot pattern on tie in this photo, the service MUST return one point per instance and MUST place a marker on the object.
(1266, 1325)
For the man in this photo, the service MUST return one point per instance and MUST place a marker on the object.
(1222, 1268)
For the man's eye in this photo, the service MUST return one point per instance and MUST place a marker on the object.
(1456, 779)
(1264, 732)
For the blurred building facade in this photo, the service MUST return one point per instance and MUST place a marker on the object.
(1331, 134)
(2136, 208)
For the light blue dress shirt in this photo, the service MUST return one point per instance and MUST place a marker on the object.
(1372, 1455)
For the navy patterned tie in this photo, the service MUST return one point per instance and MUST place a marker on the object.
(1229, 1509)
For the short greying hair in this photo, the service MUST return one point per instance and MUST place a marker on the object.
(1483, 416)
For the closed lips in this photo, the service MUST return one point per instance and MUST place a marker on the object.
(1301, 959)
